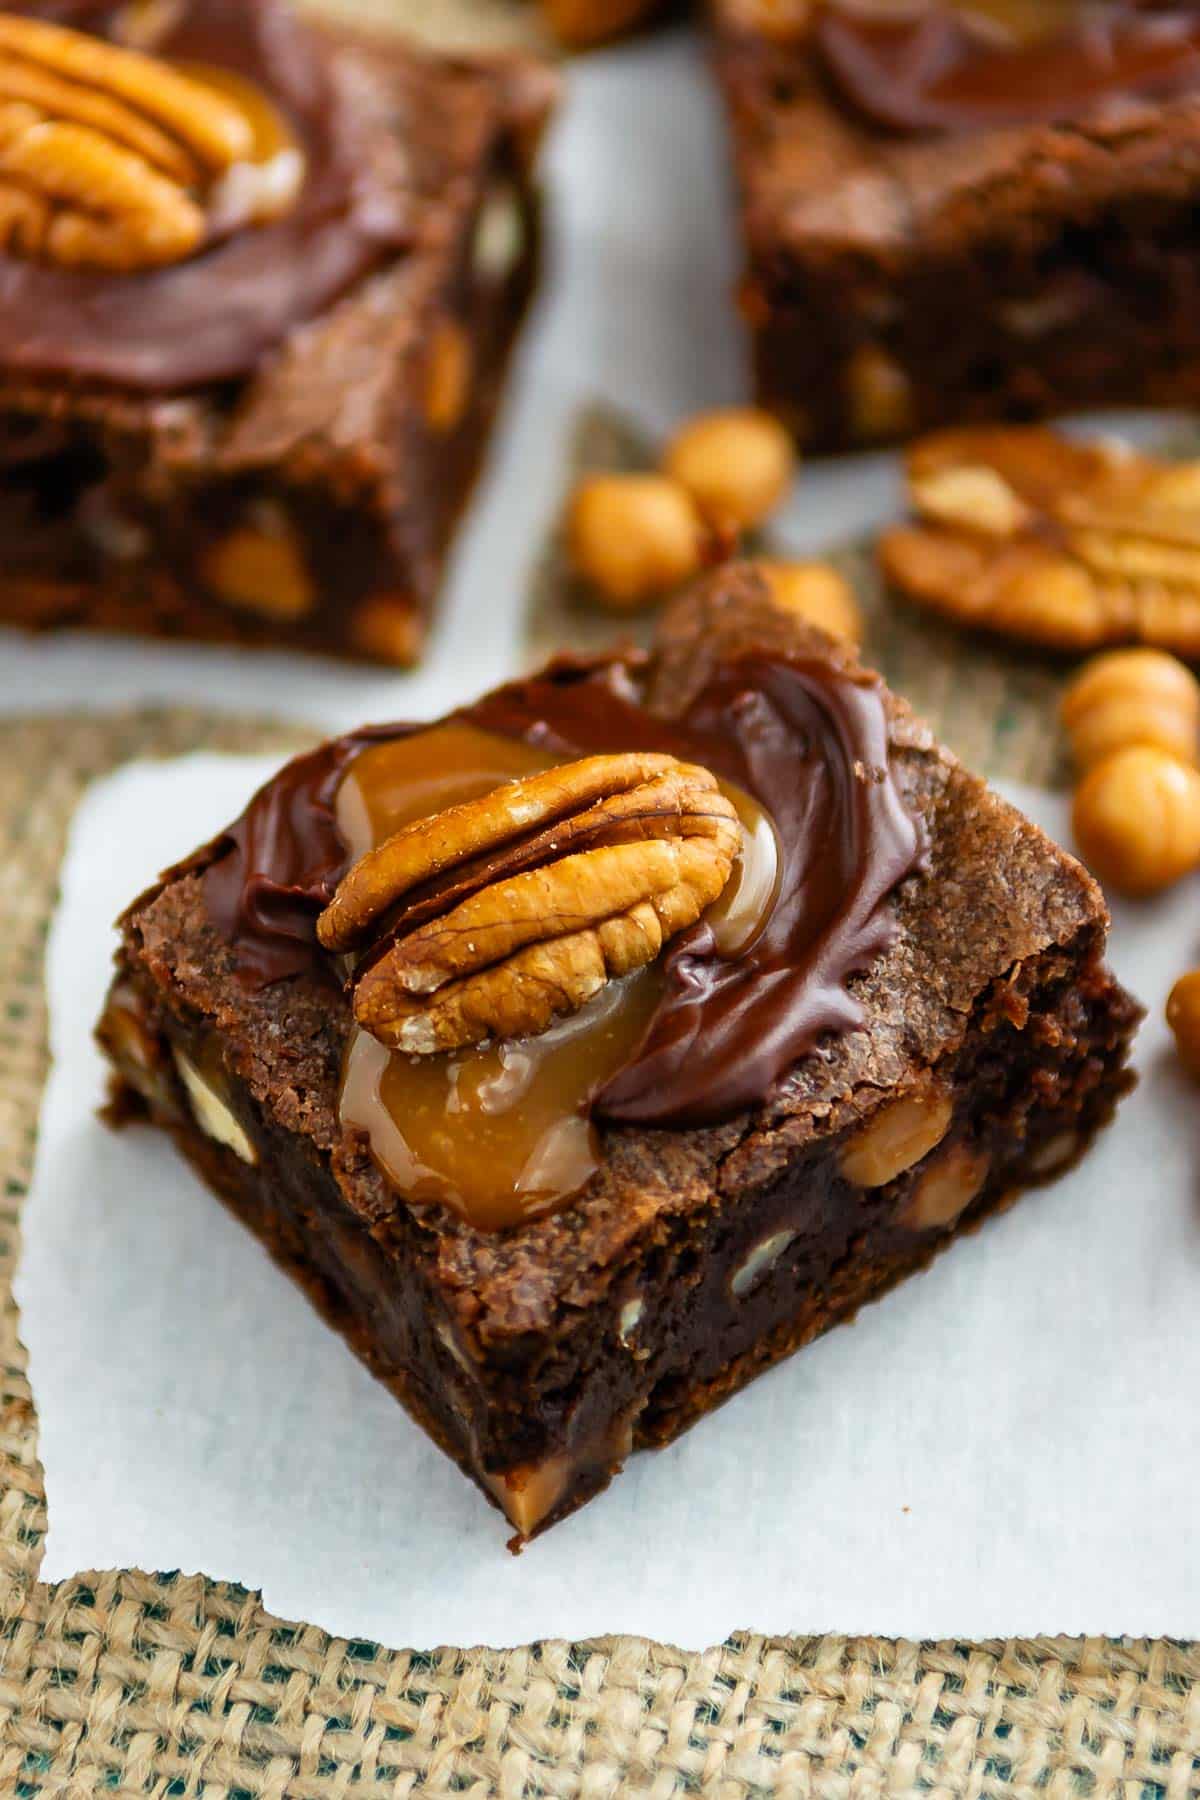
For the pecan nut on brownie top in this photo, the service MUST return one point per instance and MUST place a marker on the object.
(257, 288)
(586, 1052)
(965, 210)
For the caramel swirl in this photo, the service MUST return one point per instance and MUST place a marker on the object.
(941, 69)
(805, 738)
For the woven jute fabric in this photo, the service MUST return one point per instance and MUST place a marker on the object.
(126, 1682)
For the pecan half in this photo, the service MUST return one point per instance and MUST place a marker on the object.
(113, 159)
(1072, 546)
(498, 916)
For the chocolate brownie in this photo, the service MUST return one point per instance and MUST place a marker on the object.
(728, 1124)
(960, 212)
(251, 409)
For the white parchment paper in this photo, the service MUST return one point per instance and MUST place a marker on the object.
(1010, 1443)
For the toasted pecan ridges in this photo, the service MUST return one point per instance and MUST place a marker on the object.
(1068, 545)
(526, 901)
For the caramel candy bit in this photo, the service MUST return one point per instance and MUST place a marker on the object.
(817, 594)
(530, 1494)
(897, 1137)
(112, 159)
(1183, 1016)
(1131, 697)
(1068, 545)
(633, 537)
(577, 875)
(736, 465)
(259, 567)
(448, 376)
(1137, 820)
(945, 1190)
(879, 395)
(388, 628)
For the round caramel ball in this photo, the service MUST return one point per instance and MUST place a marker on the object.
(1132, 697)
(1183, 1016)
(816, 593)
(736, 464)
(1137, 819)
(633, 537)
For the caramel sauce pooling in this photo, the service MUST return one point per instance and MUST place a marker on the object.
(501, 1133)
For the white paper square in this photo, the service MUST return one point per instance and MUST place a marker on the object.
(1007, 1444)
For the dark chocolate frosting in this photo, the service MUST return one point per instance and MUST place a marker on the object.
(213, 316)
(937, 71)
(804, 735)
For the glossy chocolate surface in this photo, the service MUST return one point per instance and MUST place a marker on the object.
(215, 315)
(938, 68)
(805, 738)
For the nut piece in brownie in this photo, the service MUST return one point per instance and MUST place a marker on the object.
(957, 212)
(259, 285)
(588, 1051)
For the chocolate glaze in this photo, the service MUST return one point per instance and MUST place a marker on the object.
(938, 71)
(278, 864)
(214, 316)
(807, 738)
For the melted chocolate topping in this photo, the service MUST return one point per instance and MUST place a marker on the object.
(806, 738)
(940, 71)
(213, 316)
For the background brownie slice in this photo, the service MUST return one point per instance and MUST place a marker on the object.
(270, 442)
(991, 1047)
(1002, 243)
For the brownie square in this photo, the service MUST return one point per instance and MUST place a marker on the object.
(743, 1198)
(949, 219)
(269, 443)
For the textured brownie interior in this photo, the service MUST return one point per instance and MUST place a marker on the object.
(1003, 273)
(695, 1257)
(111, 500)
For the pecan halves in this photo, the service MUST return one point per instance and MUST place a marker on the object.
(110, 158)
(431, 847)
(1072, 546)
(574, 877)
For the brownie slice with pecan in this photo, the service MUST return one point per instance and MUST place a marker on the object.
(260, 285)
(586, 1052)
